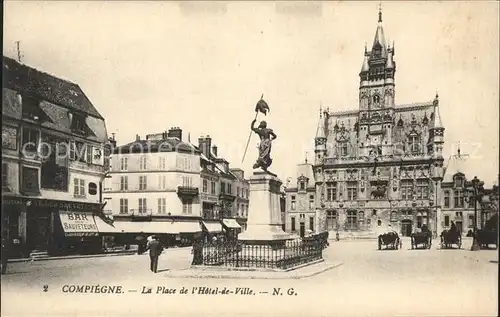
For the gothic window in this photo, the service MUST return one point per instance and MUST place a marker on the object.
(331, 219)
(458, 196)
(414, 144)
(406, 190)
(352, 219)
(331, 191)
(447, 199)
(376, 99)
(352, 190)
(422, 189)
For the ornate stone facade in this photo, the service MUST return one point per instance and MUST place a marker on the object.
(379, 164)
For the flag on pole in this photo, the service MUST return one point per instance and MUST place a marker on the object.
(262, 106)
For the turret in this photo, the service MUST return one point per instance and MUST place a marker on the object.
(320, 139)
(437, 131)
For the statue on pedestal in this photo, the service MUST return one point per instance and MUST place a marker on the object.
(266, 137)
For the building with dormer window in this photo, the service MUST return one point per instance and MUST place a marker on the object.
(53, 163)
(379, 164)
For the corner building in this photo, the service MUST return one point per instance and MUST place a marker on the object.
(381, 163)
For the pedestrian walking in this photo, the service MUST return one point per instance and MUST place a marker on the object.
(197, 251)
(155, 248)
(5, 255)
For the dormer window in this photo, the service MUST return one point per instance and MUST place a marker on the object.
(302, 185)
(78, 124)
(343, 149)
(459, 181)
(414, 144)
(31, 108)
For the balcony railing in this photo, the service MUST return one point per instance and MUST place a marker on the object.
(187, 191)
(140, 212)
(227, 196)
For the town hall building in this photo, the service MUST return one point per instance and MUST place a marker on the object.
(379, 164)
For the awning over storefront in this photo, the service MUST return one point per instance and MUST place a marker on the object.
(104, 227)
(78, 224)
(231, 223)
(212, 227)
(157, 227)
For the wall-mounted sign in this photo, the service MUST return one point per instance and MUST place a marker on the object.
(78, 223)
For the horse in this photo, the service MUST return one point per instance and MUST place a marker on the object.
(450, 237)
(424, 237)
(390, 240)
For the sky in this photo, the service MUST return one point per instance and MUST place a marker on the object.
(149, 66)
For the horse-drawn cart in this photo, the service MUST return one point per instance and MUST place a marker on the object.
(390, 240)
(423, 238)
(449, 238)
(486, 237)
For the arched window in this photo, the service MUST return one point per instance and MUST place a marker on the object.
(379, 222)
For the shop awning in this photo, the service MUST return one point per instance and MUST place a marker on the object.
(104, 227)
(76, 223)
(157, 227)
(213, 227)
(231, 223)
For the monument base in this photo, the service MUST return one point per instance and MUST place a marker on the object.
(264, 213)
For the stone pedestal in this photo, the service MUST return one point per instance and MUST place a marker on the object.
(264, 216)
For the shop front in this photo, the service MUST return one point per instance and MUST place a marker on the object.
(53, 226)
(232, 228)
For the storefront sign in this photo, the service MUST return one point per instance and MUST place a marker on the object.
(78, 223)
(47, 203)
(208, 198)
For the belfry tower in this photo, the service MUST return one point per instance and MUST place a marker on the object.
(376, 95)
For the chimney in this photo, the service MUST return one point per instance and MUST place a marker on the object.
(205, 143)
(175, 132)
(137, 137)
(214, 150)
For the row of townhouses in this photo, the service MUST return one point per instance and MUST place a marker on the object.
(163, 183)
(381, 164)
(66, 184)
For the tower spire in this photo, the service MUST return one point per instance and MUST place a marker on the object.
(380, 13)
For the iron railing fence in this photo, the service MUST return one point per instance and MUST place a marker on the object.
(241, 255)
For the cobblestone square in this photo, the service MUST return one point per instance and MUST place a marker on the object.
(370, 282)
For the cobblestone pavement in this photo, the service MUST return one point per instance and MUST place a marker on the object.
(370, 283)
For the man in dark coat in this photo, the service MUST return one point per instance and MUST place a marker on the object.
(155, 248)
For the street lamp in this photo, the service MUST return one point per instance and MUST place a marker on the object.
(475, 184)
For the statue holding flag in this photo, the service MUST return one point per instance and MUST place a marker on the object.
(266, 137)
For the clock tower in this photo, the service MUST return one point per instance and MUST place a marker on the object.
(376, 96)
